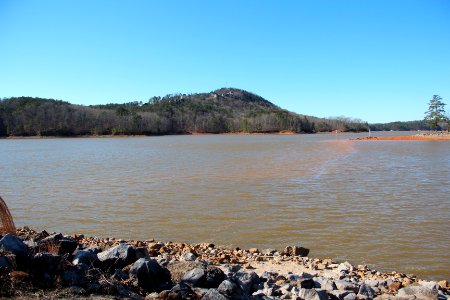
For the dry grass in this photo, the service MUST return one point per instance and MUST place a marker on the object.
(7, 223)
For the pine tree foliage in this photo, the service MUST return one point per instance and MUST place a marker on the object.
(436, 112)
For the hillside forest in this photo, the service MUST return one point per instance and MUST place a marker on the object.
(222, 111)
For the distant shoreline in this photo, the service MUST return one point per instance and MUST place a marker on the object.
(430, 137)
(36, 137)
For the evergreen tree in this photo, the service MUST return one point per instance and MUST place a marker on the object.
(436, 112)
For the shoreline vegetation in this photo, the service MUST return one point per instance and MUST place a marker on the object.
(226, 110)
(52, 265)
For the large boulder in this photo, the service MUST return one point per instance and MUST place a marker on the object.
(45, 267)
(179, 268)
(73, 276)
(295, 251)
(344, 285)
(228, 288)
(117, 257)
(214, 276)
(366, 291)
(14, 245)
(195, 277)
(58, 243)
(6, 265)
(247, 282)
(324, 283)
(183, 291)
(305, 283)
(84, 257)
(213, 294)
(312, 294)
(420, 292)
(149, 275)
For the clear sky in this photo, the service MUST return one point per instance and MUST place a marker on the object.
(378, 60)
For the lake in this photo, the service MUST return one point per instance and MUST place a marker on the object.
(381, 203)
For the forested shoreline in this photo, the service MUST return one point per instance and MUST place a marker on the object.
(224, 110)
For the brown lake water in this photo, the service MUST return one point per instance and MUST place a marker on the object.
(381, 203)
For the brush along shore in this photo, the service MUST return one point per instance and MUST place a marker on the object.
(43, 265)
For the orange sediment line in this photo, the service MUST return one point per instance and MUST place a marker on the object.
(404, 138)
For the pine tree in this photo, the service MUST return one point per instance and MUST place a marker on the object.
(436, 112)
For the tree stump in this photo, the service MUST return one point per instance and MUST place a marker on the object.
(7, 223)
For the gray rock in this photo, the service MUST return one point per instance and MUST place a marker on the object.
(141, 252)
(305, 283)
(366, 291)
(94, 249)
(247, 282)
(433, 285)
(312, 294)
(188, 257)
(184, 291)
(44, 267)
(285, 288)
(292, 277)
(325, 284)
(340, 294)
(227, 288)
(84, 257)
(65, 245)
(51, 238)
(420, 292)
(233, 268)
(118, 256)
(5, 264)
(345, 266)
(213, 294)
(120, 275)
(195, 277)
(14, 245)
(296, 251)
(149, 275)
(46, 263)
(372, 282)
(351, 296)
(72, 277)
(268, 251)
(214, 276)
(346, 286)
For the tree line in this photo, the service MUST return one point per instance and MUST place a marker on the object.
(221, 111)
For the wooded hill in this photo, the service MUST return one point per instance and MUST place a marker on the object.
(401, 126)
(221, 111)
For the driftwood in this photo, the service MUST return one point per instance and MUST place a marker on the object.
(7, 223)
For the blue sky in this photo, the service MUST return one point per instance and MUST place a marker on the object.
(376, 60)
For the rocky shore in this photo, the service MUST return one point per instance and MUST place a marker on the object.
(52, 265)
